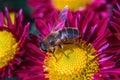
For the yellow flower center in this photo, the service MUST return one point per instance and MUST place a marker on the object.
(74, 62)
(8, 47)
(72, 4)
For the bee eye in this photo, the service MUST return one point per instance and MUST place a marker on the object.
(51, 42)
(43, 46)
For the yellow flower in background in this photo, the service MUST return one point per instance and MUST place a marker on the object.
(44, 9)
(72, 4)
(12, 38)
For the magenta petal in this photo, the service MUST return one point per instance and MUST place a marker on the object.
(20, 16)
(36, 77)
(103, 47)
(18, 61)
(25, 34)
(115, 27)
(19, 28)
(85, 26)
(116, 13)
(34, 39)
(101, 40)
(91, 33)
(20, 21)
(42, 28)
(116, 19)
(100, 76)
(118, 5)
(8, 19)
(117, 36)
(11, 65)
(102, 26)
(9, 73)
(116, 70)
(20, 53)
(1, 19)
(107, 65)
(3, 75)
(105, 58)
(35, 49)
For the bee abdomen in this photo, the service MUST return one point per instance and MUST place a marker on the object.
(69, 33)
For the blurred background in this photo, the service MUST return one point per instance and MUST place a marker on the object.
(16, 5)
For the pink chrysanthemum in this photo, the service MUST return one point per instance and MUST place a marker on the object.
(32, 66)
(115, 20)
(95, 57)
(111, 70)
(12, 38)
(46, 8)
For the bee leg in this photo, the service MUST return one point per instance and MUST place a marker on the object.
(53, 50)
(63, 51)
(76, 42)
(55, 57)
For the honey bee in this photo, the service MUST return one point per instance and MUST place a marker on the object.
(59, 36)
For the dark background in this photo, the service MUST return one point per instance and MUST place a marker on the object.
(16, 5)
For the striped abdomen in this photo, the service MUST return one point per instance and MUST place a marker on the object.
(69, 33)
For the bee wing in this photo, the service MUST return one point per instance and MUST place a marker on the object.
(60, 22)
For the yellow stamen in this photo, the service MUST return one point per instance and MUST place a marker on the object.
(12, 17)
(81, 63)
(8, 47)
(72, 4)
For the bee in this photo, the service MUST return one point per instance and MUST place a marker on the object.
(59, 36)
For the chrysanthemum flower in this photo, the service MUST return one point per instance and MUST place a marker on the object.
(32, 68)
(115, 20)
(95, 56)
(111, 71)
(46, 8)
(12, 38)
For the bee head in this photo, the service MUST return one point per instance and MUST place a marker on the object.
(43, 46)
